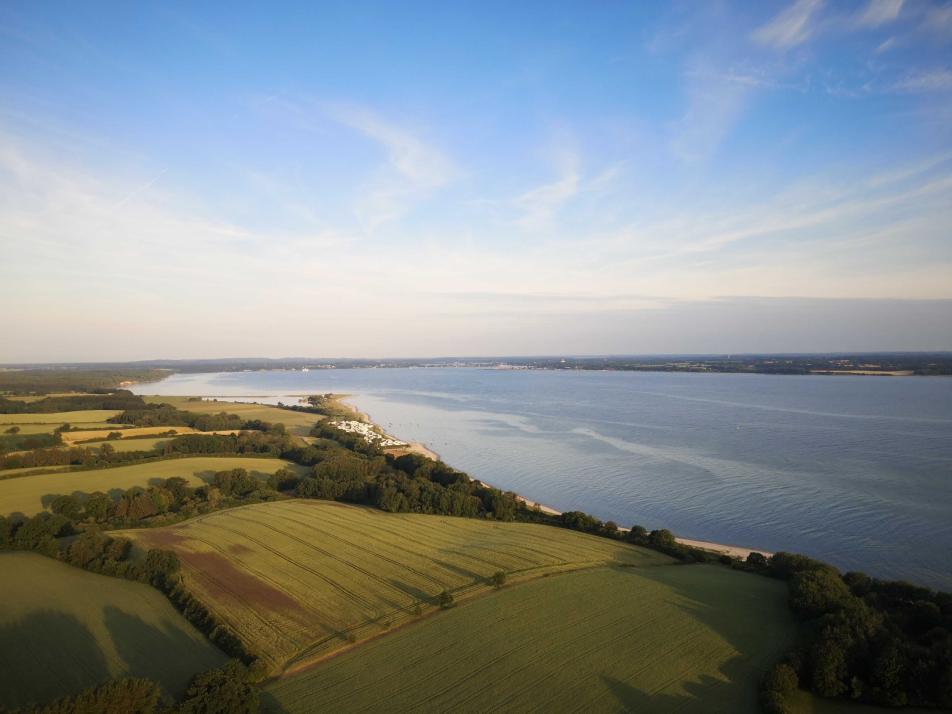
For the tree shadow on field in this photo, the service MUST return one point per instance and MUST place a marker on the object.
(414, 592)
(749, 612)
(167, 654)
(46, 655)
(270, 705)
(469, 574)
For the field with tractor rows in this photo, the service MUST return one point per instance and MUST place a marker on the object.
(28, 494)
(63, 629)
(667, 639)
(298, 579)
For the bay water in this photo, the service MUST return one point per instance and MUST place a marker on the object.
(853, 470)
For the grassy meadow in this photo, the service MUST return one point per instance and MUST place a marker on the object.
(27, 493)
(299, 579)
(63, 629)
(122, 445)
(663, 639)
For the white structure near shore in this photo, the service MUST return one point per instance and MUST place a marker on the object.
(367, 431)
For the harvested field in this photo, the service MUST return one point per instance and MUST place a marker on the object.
(668, 639)
(63, 629)
(28, 494)
(299, 579)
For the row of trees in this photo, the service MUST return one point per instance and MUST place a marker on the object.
(270, 439)
(80, 379)
(167, 415)
(118, 399)
(13, 440)
(874, 641)
(173, 499)
(345, 468)
(227, 690)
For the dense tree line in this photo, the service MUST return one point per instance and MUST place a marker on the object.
(272, 440)
(360, 473)
(104, 455)
(12, 440)
(227, 690)
(174, 499)
(874, 641)
(91, 380)
(167, 415)
(119, 399)
(38, 534)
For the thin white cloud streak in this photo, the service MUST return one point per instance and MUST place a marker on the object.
(539, 206)
(879, 12)
(715, 103)
(414, 169)
(791, 27)
(936, 80)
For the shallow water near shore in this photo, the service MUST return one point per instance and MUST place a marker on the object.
(856, 471)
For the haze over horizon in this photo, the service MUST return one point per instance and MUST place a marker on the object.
(182, 181)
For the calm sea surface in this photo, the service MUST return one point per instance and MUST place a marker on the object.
(856, 471)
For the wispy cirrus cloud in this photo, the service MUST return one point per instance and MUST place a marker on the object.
(539, 206)
(935, 80)
(879, 12)
(715, 102)
(414, 168)
(791, 27)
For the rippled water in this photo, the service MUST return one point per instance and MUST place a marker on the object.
(853, 470)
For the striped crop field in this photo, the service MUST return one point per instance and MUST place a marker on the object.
(299, 579)
(669, 639)
(28, 494)
(63, 629)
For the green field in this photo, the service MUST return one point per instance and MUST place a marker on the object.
(298, 423)
(10, 473)
(128, 444)
(297, 579)
(26, 494)
(666, 639)
(97, 416)
(50, 427)
(63, 629)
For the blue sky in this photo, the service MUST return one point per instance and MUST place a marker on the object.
(371, 179)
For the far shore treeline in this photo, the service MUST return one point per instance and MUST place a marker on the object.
(864, 639)
(44, 378)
